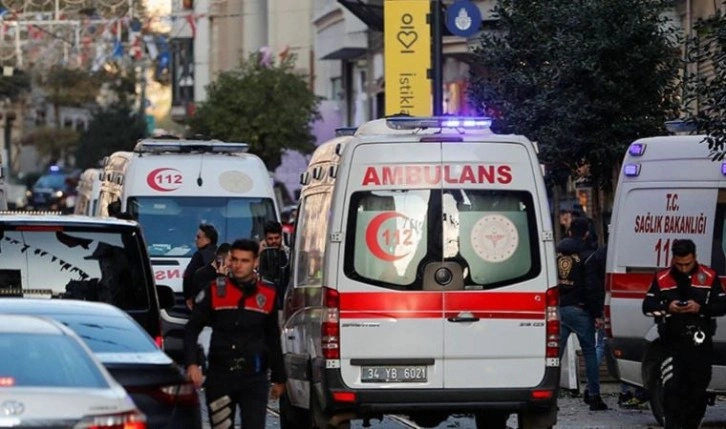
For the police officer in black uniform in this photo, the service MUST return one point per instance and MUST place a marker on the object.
(684, 299)
(245, 342)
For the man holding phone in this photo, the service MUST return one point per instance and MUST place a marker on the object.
(685, 299)
(208, 273)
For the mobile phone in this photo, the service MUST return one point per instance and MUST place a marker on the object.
(220, 261)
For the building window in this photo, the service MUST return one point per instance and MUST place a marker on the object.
(336, 89)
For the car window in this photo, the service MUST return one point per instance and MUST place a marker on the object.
(41, 360)
(109, 334)
(170, 223)
(311, 228)
(78, 262)
(54, 181)
(392, 234)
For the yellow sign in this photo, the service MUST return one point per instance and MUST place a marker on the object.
(407, 57)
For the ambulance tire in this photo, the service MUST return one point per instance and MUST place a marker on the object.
(292, 417)
(651, 377)
(544, 420)
(491, 420)
(655, 394)
(320, 420)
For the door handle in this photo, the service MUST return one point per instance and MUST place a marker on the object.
(463, 317)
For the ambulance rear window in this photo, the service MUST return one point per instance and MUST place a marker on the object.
(393, 234)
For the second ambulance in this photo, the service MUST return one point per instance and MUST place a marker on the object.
(171, 187)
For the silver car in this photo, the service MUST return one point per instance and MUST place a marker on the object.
(49, 378)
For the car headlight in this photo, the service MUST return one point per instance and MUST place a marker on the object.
(58, 194)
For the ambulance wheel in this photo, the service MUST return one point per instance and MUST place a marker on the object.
(651, 376)
(491, 420)
(655, 393)
(541, 420)
(292, 417)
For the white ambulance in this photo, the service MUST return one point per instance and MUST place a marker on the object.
(171, 187)
(89, 187)
(668, 189)
(423, 279)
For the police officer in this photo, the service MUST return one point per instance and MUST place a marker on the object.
(684, 299)
(245, 342)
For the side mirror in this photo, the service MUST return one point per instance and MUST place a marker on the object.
(166, 296)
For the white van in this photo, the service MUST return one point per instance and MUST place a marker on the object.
(423, 279)
(89, 187)
(171, 187)
(668, 189)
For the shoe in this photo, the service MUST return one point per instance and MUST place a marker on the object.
(597, 404)
(634, 404)
(586, 397)
(624, 397)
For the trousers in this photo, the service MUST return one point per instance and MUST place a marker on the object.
(685, 375)
(226, 394)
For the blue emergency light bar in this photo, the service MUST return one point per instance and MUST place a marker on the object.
(637, 149)
(345, 131)
(412, 122)
(631, 170)
(187, 146)
(723, 168)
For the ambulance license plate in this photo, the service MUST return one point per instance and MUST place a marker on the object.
(393, 374)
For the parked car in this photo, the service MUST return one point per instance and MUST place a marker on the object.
(49, 378)
(155, 382)
(80, 257)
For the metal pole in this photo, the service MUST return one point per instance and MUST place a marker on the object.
(437, 79)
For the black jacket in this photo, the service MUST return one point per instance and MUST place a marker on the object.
(199, 259)
(244, 327)
(202, 278)
(701, 285)
(595, 280)
(583, 294)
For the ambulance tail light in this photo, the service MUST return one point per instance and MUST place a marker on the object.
(631, 170)
(552, 316)
(331, 324)
(608, 325)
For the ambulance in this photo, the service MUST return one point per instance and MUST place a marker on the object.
(89, 186)
(171, 187)
(668, 189)
(423, 281)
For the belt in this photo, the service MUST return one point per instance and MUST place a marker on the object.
(242, 365)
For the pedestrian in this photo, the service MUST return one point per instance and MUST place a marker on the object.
(240, 309)
(684, 300)
(274, 259)
(580, 304)
(208, 273)
(206, 242)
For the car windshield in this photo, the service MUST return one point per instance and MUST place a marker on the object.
(79, 262)
(109, 334)
(43, 360)
(53, 181)
(170, 223)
